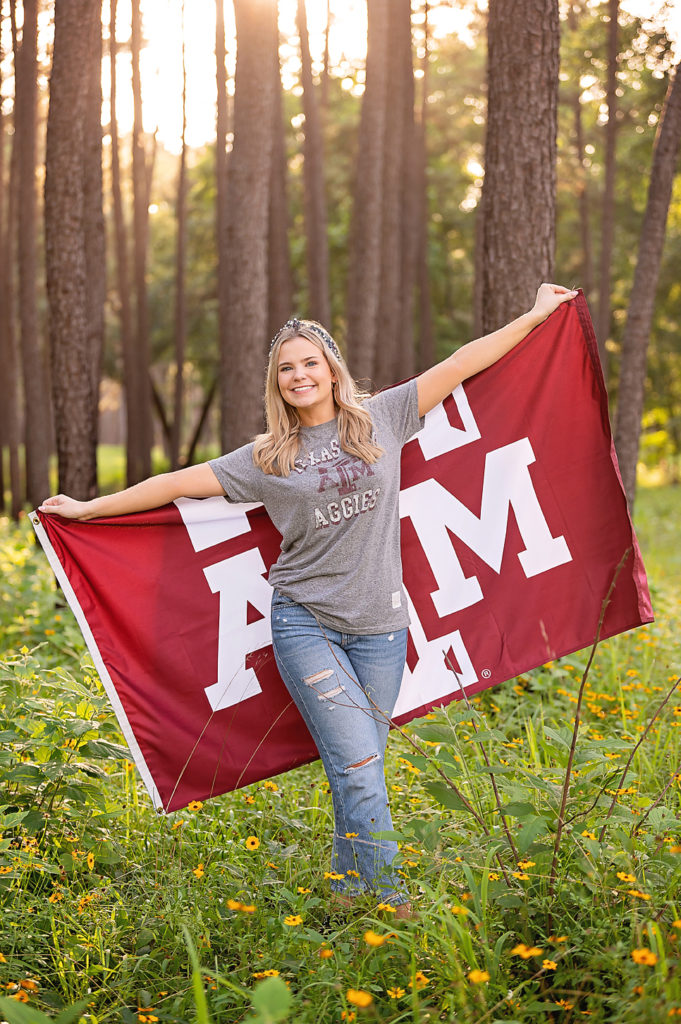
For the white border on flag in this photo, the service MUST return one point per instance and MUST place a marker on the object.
(112, 694)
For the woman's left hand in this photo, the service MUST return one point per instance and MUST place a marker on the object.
(549, 297)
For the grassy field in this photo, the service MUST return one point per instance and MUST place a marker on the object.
(220, 912)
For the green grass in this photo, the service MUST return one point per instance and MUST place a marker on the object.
(177, 919)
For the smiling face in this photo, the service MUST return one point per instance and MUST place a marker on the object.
(306, 381)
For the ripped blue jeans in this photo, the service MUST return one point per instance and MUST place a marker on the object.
(341, 682)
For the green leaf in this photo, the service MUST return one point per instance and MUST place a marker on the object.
(272, 1000)
(21, 1013)
(529, 832)
(562, 738)
(103, 748)
(445, 796)
(391, 834)
(516, 809)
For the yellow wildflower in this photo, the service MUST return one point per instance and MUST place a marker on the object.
(325, 953)
(386, 906)
(252, 843)
(91, 861)
(478, 976)
(624, 877)
(638, 893)
(292, 920)
(644, 956)
(358, 997)
(373, 938)
(198, 871)
(302, 890)
(526, 951)
(549, 965)
(420, 980)
(395, 993)
(194, 805)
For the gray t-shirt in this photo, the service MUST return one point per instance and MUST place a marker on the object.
(338, 516)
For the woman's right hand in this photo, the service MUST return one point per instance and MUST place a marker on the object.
(64, 506)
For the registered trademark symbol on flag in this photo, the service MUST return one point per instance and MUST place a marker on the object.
(485, 673)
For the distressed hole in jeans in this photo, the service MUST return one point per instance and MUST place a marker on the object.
(317, 677)
(361, 764)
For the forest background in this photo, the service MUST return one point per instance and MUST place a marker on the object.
(373, 187)
(410, 193)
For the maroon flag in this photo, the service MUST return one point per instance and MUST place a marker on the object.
(513, 522)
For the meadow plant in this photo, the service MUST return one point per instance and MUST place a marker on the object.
(538, 826)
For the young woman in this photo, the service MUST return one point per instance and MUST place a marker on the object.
(328, 472)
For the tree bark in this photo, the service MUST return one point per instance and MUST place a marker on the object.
(406, 356)
(364, 275)
(180, 271)
(520, 157)
(242, 366)
(122, 271)
(9, 395)
(37, 432)
(70, 241)
(280, 278)
(608, 204)
(221, 174)
(95, 235)
(317, 246)
(642, 298)
(139, 444)
(587, 278)
(394, 351)
(426, 347)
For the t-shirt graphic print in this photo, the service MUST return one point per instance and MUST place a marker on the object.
(338, 517)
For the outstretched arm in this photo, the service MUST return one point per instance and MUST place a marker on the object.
(192, 482)
(439, 381)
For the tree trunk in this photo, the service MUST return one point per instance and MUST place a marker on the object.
(608, 207)
(406, 356)
(642, 297)
(122, 274)
(426, 346)
(364, 275)
(317, 246)
(9, 394)
(324, 97)
(221, 173)
(395, 335)
(520, 157)
(280, 279)
(587, 276)
(95, 235)
(180, 270)
(242, 367)
(139, 444)
(70, 241)
(37, 432)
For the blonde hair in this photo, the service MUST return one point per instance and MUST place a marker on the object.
(275, 451)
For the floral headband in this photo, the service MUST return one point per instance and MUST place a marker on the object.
(295, 324)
